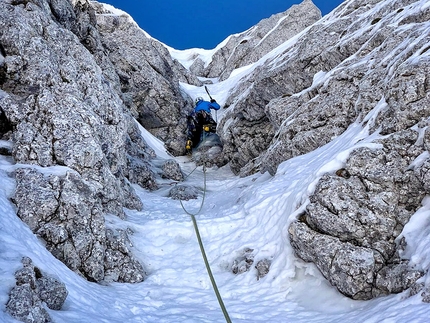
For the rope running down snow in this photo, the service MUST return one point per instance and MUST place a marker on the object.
(202, 249)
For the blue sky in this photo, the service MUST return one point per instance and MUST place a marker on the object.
(184, 24)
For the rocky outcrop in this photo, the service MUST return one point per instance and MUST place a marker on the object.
(148, 78)
(365, 64)
(329, 113)
(119, 263)
(60, 108)
(324, 82)
(32, 289)
(351, 226)
(172, 170)
(66, 212)
(248, 47)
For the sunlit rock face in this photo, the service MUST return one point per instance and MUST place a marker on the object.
(331, 76)
(248, 47)
(367, 63)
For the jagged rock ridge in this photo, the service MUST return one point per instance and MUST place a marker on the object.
(248, 47)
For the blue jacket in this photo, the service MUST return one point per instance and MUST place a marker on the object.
(206, 106)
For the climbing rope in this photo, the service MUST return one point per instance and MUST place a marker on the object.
(189, 176)
(202, 249)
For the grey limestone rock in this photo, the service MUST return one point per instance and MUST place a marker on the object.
(52, 292)
(283, 110)
(140, 172)
(149, 78)
(348, 267)
(119, 264)
(360, 212)
(71, 223)
(198, 66)
(172, 170)
(25, 306)
(68, 116)
(263, 268)
(396, 278)
(61, 104)
(32, 290)
(183, 192)
(248, 47)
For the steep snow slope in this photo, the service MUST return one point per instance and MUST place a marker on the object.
(254, 214)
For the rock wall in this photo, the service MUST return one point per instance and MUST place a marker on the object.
(61, 108)
(148, 78)
(364, 56)
(282, 111)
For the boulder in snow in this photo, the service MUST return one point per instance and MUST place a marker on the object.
(183, 192)
(172, 170)
(32, 289)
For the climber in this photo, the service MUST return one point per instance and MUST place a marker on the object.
(198, 120)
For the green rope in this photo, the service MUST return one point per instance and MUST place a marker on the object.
(202, 250)
(190, 175)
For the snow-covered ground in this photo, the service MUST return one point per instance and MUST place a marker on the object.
(238, 213)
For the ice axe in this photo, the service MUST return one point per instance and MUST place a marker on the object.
(210, 97)
(207, 91)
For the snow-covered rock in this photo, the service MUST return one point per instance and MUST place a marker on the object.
(183, 192)
(172, 170)
(324, 80)
(363, 209)
(366, 211)
(248, 47)
(66, 212)
(365, 62)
